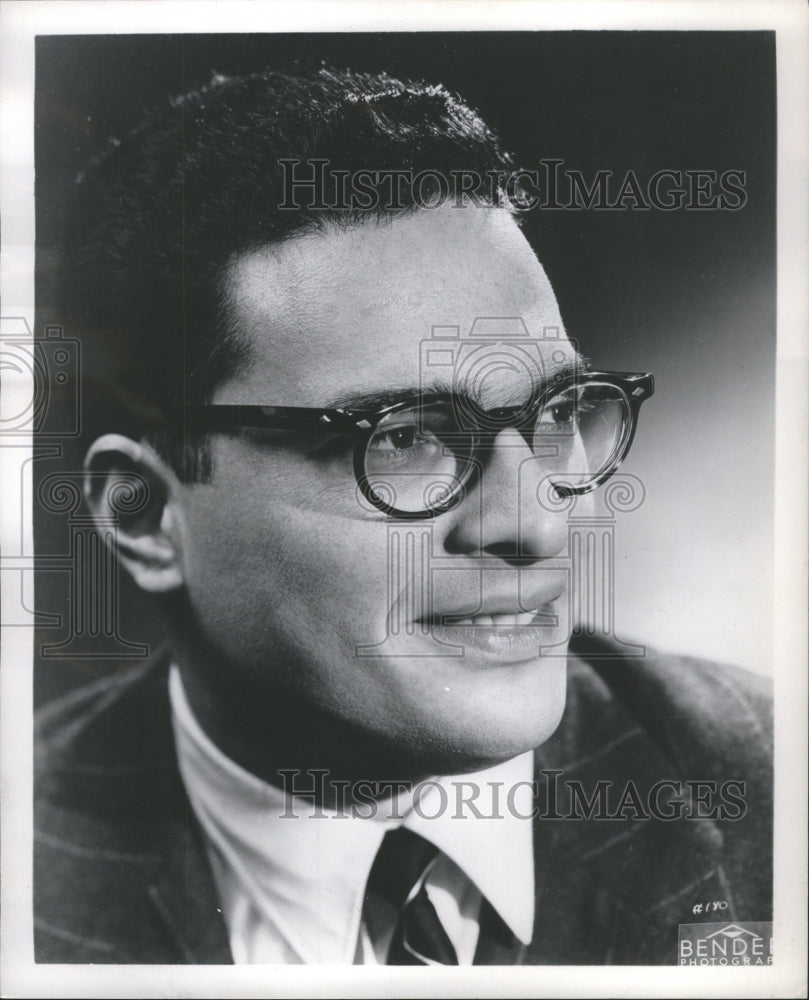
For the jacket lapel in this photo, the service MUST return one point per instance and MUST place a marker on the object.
(612, 890)
(112, 811)
(186, 901)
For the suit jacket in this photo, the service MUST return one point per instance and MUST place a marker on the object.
(121, 872)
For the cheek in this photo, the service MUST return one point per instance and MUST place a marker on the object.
(289, 605)
(258, 565)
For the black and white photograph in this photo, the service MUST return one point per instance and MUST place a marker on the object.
(404, 497)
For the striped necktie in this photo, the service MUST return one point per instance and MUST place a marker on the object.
(396, 895)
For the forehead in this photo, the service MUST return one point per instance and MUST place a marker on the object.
(347, 311)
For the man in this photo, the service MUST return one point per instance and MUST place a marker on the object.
(368, 740)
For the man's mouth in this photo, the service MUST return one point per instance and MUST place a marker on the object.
(513, 620)
(501, 626)
(536, 609)
(500, 630)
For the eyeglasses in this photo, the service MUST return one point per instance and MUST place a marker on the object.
(416, 458)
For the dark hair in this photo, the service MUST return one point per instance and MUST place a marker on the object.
(161, 212)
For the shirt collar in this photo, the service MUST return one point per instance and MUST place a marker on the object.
(490, 837)
(312, 872)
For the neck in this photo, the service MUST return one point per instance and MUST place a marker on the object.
(294, 745)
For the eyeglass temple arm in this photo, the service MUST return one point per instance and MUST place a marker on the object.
(291, 417)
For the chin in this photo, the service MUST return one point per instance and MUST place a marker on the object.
(485, 728)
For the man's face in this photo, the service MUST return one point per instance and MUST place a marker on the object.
(293, 577)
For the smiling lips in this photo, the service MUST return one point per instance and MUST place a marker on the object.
(500, 631)
(500, 613)
(523, 618)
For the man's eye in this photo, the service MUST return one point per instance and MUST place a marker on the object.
(559, 416)
(400, 438)
(401, 445)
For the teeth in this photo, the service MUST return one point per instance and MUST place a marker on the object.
(498, 621)
(525, 618)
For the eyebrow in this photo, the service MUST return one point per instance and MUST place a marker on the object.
(379, 399)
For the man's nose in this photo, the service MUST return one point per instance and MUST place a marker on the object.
(509, 511)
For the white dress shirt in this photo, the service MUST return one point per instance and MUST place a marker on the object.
(292, 886)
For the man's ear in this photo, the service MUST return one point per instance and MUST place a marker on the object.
(127, 483)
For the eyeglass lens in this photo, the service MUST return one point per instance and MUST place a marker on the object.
(417, 457)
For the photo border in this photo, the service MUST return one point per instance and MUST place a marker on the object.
(21, 22)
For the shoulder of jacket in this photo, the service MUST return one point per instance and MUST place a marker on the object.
(703, 715)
